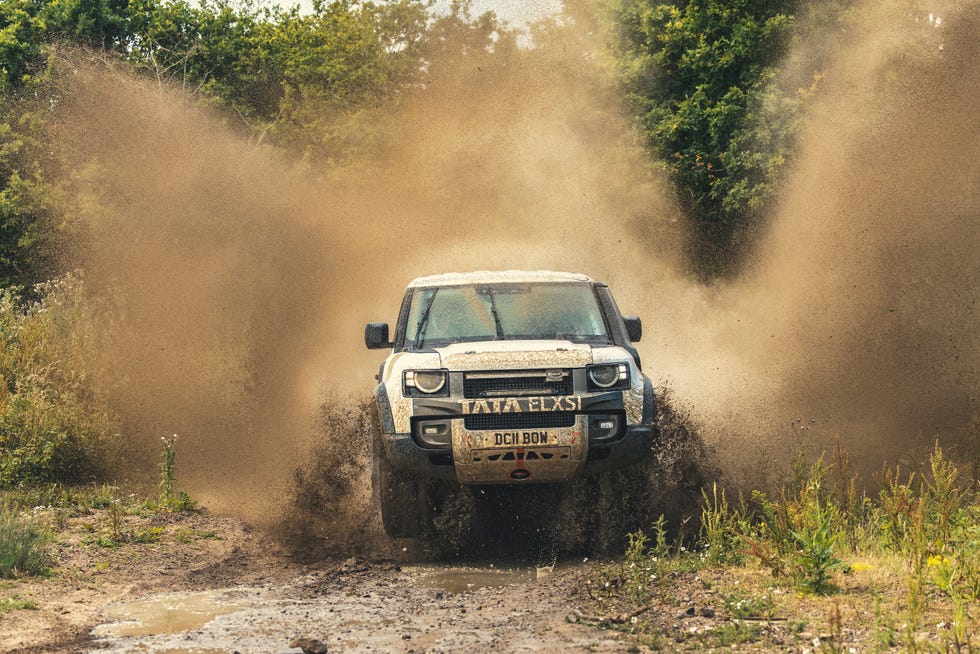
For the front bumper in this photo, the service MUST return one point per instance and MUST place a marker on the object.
(497, 465)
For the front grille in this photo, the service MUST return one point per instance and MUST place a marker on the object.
(541, 420)
(490, 386)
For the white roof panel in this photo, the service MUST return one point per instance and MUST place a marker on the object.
(496, 276)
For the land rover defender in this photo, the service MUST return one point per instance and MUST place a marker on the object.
(509, 377)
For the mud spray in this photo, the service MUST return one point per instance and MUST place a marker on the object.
(237, 289)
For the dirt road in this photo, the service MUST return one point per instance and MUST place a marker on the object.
(359, 606)
(200, 583)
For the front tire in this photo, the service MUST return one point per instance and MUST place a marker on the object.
(400, 496)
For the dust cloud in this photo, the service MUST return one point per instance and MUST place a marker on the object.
(210, 261)
(236, 288)
(859, 317)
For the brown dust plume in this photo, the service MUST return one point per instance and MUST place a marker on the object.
(238, 288)
(860, 314)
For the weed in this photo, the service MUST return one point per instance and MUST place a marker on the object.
(168, 469)
(100, 497)
(798, 536)
(796, 626)
(852, 506)
(834, 643)
(661, 546)
(745, 606)
(721, 529)
(943, 495)
(151, 535)
(815, 538)
(730, 634)
(917, 516)
(884, 634)
(17, 603)
(23, 546)
(170, 498)
(919, 537)
(636, 568)
(104, 541)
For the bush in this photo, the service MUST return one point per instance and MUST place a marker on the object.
(53, 425)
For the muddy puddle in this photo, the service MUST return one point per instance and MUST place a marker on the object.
(468, 580)
(168, 614)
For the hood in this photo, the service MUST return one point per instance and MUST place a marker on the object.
(507, 355)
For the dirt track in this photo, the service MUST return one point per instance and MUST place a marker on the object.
(203, 567)
(357, 606)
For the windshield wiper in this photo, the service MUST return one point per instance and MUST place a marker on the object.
(496, 314)
(420, 327)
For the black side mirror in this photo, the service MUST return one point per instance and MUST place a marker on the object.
(634, 328)
(376, 336)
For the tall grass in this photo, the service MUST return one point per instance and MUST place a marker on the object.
(54, 427)
(818, 535)
(23, 546)
(807, 532)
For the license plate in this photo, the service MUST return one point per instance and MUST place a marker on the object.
(519, 438)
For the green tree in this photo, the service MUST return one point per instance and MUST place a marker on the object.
(307, 83)
(30, 232)
(340, 65)
(700, 75)
(26, 206)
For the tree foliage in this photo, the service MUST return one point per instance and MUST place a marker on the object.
(307, 83)
(701, 76)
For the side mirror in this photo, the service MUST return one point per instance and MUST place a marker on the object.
(376, 336)
(634, 328)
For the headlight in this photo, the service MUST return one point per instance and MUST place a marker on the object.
(425, 381)
(609, 375)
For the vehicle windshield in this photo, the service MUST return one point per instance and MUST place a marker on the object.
(448, 314)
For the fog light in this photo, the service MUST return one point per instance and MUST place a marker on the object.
(434, 433)
(602, 428)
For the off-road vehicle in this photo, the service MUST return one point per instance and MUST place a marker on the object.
(505, 377)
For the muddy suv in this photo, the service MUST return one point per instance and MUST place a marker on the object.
(504, 378)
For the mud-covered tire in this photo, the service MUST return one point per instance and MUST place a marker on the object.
(401, 497)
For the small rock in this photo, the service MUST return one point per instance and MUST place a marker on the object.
(308, 645)
(705, 612)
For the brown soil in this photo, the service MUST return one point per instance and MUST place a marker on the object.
(258, 598)
(352, 605)
(192, 551)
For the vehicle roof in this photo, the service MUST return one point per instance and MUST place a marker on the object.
(496, 276)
